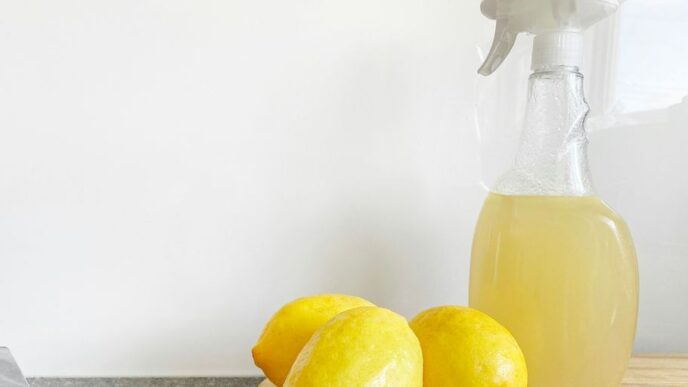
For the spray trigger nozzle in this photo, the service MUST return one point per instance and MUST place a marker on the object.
(557, 24)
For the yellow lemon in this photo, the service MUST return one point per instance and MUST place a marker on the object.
(291, 327)
(362, 347)
(465, 347)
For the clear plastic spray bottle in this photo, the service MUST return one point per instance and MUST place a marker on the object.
(551, 261)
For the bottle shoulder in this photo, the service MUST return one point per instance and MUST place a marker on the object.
(575, 213)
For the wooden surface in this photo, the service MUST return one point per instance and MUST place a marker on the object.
(657, 370)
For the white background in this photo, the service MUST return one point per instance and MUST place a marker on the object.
(171, 172)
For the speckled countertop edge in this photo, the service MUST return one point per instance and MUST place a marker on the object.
(144, 382)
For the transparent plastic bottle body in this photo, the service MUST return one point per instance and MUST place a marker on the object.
(550, 260)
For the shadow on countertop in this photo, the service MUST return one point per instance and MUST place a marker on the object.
(144, 382)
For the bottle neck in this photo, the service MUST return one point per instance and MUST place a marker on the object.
(552, 158)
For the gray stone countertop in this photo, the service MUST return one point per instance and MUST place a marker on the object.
(144, 382)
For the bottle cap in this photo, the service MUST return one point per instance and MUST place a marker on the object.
(557, 49)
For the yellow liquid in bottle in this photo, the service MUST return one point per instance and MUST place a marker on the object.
(561, 274)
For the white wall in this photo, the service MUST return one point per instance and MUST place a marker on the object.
(171, 172)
